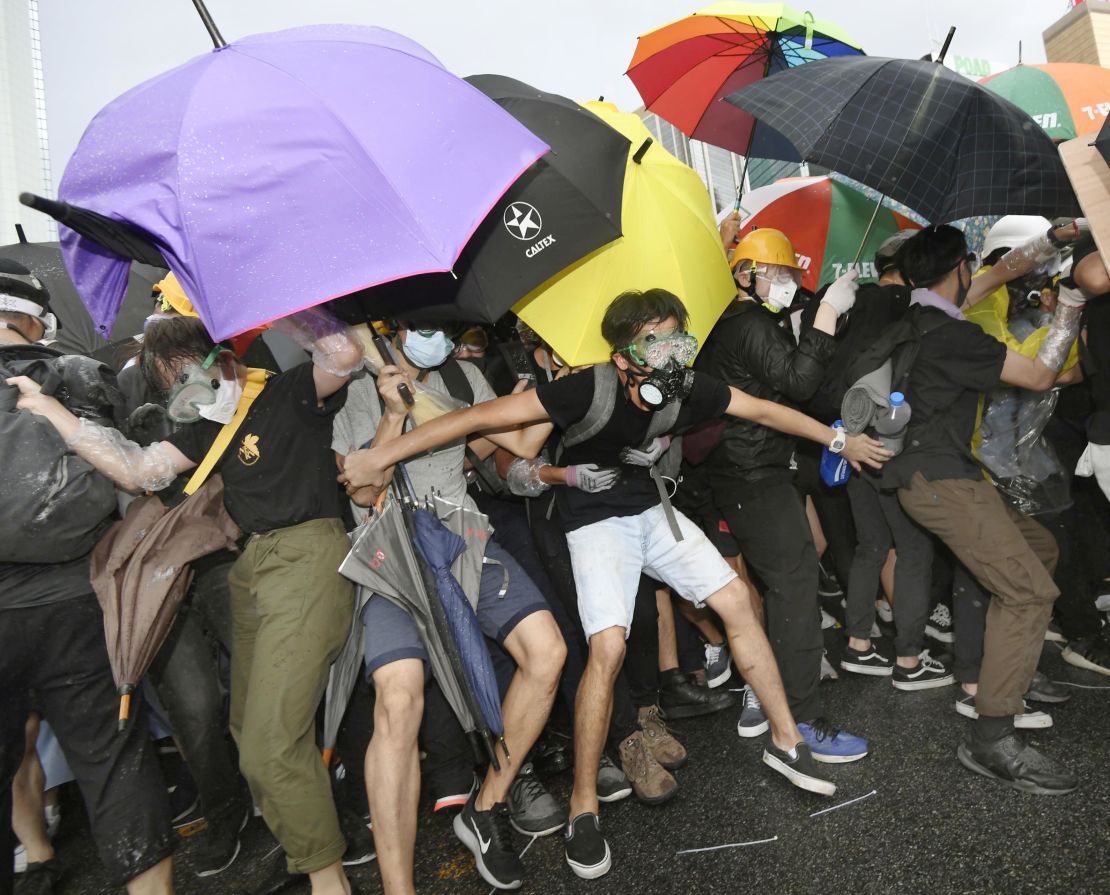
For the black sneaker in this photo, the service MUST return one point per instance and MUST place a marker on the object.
(798, 767)
(828, 585)
(40, 878)
(360, 840)
(612, 784)
(587, 851)
(218, 844)
(1043, 689)
(1092, 654)
(532, 809)
(928, 673)
(866, 661)
(939, 625)
(489, 836)
(1017, 765)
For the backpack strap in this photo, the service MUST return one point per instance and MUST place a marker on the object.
(256, 381)
(455, 381)
(602, 405)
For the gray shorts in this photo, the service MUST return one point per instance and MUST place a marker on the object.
(390, 634)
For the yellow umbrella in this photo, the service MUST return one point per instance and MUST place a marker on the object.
(670, 242)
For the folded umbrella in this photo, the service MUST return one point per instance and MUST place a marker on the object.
(140, 571)
(918, 133)
(868, 395)
(670, 241)
(286, 169)
(562, 208)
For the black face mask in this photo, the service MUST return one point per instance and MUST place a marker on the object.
(961, 294)
(661, 386)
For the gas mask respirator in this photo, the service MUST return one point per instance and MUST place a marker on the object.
(661, 362)
(207, 390)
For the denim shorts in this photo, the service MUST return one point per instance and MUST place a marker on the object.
(608, 557)
(390, 634)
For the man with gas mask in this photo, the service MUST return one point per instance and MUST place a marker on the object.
(617, 533)
(510, 610)
(269, 438)
(942, 488)
(753, 348)
(53, 655)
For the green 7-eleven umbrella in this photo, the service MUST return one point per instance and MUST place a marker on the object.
(824, 220)
(1067, 99)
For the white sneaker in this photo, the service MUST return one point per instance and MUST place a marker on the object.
(828, 673)
(827, 621)
(882, 607)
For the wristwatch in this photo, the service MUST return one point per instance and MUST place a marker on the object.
(839, 440)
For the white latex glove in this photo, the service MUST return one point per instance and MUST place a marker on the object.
(841, 295)
(648, 455)
(591, 478)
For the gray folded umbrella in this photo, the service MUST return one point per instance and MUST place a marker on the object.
(870, 393)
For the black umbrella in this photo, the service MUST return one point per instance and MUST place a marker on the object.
(76, 332)
(117, 237)
(565, 206)
(918, 133)
(1102, 141)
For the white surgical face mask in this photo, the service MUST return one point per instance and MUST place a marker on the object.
(227, 402)
(782, 287)
(427, 348)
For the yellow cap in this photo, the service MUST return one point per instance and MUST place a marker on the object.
(765, 246)
(173, 296)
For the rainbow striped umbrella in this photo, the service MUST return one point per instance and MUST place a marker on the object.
(683, 69)
(825, 221)
(1067, 99)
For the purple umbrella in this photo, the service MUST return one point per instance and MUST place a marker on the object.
(286, 169)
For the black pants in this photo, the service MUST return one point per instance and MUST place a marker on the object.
(775, 541)
(53, 659)
(834, 512)
(185, 674)
(881, 524)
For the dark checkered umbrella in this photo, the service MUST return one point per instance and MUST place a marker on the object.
(917, 132)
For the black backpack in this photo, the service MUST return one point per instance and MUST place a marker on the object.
(55, 504)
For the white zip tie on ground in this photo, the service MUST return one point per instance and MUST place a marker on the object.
(1082, 686)
(845, 804)
(528, 846)
(692, 851)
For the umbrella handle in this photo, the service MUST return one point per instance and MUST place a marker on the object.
(867, 232)
(328, 753)
(124, 706)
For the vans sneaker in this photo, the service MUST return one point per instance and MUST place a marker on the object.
(830, 744)
(867, 661)
(928, 673)
(752, 721)
(1029, 719)
(798, 767)
(586, 849)
(718, 664)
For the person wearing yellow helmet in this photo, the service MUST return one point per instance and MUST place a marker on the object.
(754, 348)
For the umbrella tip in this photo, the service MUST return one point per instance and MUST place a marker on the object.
(20, 235)
(639, 156)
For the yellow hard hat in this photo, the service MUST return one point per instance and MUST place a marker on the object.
(765, 245)
(173, 296)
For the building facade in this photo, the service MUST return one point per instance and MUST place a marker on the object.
(24, 153)
(1082, 35)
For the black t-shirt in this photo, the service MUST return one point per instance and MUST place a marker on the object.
(955, 363)
(1096, 366)
(568, 400)
(23, 585)
(279, 469)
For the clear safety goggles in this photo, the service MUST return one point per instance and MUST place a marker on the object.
(194, 387)
(659, 350)
(777, 274)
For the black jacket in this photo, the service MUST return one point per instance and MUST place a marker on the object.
(754, 350)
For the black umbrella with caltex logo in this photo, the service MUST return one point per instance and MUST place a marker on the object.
(567, 205)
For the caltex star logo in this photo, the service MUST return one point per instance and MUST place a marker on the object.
(522, 220)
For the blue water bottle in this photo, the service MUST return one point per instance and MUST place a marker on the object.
(834, 468)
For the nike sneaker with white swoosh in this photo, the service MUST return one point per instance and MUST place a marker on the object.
(489, 836)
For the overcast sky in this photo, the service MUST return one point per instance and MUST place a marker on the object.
(93, 50)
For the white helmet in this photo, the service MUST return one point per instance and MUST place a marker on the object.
(1012, 231)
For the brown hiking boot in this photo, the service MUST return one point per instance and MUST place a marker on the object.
(660, 742)
(650, 781)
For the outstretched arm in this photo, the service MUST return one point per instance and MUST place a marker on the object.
(859, 449)
(1020, 260)
(371, 467)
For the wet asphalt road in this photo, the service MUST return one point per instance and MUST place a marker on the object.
(931, 828)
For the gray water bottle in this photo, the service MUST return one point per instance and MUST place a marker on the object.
(890, 425)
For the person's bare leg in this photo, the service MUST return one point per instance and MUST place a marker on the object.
(537, 647)
(668, 640)
(886, 576)
(756, 598)
(819, 540)
(330, 880)
(28, 822)
(752, 654)
(393, 770)
(592, 708)
(158, 880)
(699, 618)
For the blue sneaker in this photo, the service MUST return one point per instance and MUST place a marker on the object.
(830, 744)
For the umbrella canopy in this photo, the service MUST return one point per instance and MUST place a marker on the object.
(1102, 141)
(563, 207)
(140, 572)
(1067, 99)
(918, 133)
(289, 168)
(670, 241)
(77, 334)
(825, 221)
(440, 547)
(683, 69)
